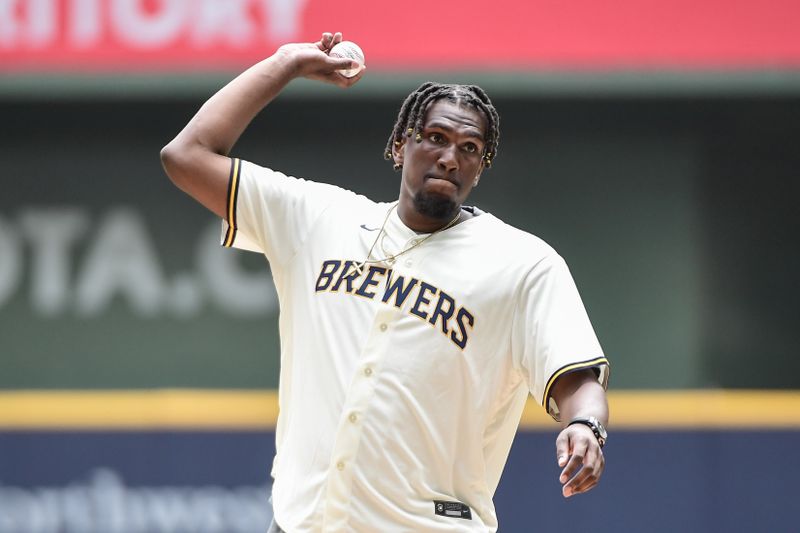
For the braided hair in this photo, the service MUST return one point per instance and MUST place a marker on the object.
(412, 114)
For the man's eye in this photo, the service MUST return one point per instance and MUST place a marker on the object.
(470, 148)
(437, 138)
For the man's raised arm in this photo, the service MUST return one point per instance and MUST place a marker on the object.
(197, 161)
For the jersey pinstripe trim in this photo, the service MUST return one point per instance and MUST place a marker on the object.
(566, 369)
(233, 193)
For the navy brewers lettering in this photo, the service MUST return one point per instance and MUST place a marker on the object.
(428, 303)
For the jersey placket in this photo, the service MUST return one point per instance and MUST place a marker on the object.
(365, 379)
(355, 409)
(351, 422)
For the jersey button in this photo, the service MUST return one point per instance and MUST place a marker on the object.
(368, 371)
(384, 327)
(353, 417)
(340, 465)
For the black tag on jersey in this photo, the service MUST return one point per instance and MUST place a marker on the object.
(452, 509)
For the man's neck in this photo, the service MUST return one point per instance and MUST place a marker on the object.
(425, 224)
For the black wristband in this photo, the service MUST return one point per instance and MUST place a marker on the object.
(595, 425)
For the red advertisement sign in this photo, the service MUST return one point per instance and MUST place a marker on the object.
(197, 35)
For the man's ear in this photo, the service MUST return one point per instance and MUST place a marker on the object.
(478, 175)
(398, 151)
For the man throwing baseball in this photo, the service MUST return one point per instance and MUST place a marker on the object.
(413, 331)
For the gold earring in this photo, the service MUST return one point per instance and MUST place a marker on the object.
(398, 166)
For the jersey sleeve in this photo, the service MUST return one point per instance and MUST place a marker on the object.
(551, 332)
(271, 213)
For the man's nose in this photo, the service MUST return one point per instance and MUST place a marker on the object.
(448, 159)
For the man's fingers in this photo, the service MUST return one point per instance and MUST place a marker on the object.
(584, 483)
(342, 63)
(575, 461)
(357, 76)
(587, 485)
(325, 42)
(328, 72)
(329, 40)
(339, 80)
(562, 449)
(589, 475)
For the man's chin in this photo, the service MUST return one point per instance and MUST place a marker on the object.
(435, 206)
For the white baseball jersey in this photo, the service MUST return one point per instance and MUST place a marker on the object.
(401, 388)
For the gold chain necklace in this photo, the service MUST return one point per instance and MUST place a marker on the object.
(391, 258)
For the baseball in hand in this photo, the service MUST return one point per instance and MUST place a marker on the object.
(348, 50)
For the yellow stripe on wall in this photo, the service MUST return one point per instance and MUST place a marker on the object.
(692, 409)
(258, 410)
(157, 409)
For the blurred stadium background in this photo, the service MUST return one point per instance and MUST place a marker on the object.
(654, 144)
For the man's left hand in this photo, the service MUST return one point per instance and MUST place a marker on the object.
(581, 457)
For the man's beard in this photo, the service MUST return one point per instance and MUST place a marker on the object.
(434, 206)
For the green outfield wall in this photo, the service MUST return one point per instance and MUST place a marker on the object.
(675, 213)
